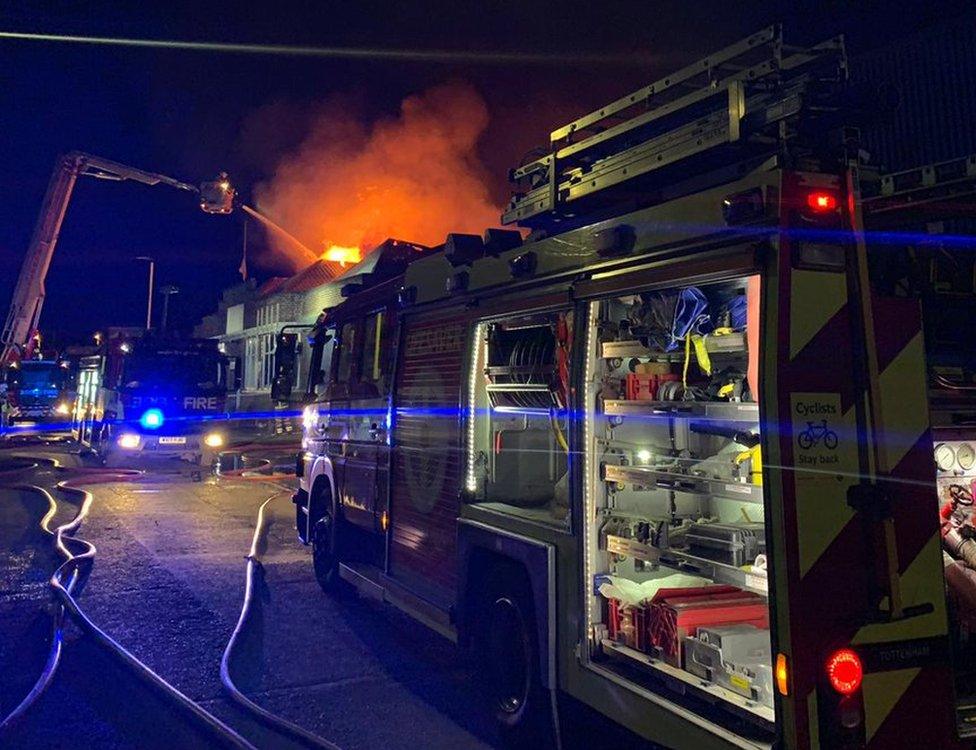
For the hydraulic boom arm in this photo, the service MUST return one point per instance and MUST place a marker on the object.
(28, 298)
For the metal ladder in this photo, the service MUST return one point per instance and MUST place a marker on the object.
(746, 93)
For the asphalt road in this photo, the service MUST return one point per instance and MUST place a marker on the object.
(167, 584)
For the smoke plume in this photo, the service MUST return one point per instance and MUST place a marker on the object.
(416, 177)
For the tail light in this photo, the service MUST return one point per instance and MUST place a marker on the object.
(822, 201)
(844, 671)
(841, 701)
(817, 225)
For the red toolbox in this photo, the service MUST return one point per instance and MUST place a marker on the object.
(677, 613)
(639, 631)
(644, 387)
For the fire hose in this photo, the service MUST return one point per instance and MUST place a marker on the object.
(255, 574)
(70, 576)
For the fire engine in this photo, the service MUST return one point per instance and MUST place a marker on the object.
(37, 391)
(152, 396)
(19, 336)
(671, 454)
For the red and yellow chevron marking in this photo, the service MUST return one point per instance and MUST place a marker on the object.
(833, 559)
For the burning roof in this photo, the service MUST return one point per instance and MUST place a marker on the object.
(351, 184)
(388, 259)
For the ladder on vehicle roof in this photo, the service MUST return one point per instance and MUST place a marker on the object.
(928, 193)
(749, 92)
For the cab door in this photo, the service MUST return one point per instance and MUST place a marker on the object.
(84, 410)
(339, 434)
(365, 424)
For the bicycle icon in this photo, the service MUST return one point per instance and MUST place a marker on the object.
(814, 433)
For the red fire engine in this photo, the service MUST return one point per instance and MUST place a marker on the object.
(672, 454)
(152, 396)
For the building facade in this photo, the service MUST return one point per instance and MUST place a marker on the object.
(248, 319)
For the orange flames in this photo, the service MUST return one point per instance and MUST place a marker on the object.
(343, 255)
(415, 177)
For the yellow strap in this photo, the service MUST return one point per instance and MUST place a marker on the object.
(684, 371)
(701, 353)
(727, 389)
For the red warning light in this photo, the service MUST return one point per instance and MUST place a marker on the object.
(821, 201)
(844, 671)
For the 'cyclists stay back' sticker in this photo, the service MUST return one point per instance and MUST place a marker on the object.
(818, 429)
(825, 464)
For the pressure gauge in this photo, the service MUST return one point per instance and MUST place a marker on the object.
(945, 457)
(966, 456)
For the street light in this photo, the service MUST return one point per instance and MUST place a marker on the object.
(167, 291)
(152, 272)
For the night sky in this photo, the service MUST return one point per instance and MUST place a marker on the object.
(192, 114)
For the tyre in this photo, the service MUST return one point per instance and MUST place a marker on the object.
(805, 439)
(325, 548)
(830, 439)
(508, 663)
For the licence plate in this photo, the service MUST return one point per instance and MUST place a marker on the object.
(172, 441)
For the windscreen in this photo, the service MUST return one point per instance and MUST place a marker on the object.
(172, 369)
(37, 377)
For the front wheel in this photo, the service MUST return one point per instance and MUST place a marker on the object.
(509, 665)
(325, 555)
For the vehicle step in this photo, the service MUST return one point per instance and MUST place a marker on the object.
(374, 584)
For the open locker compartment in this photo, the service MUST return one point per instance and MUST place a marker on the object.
(518, 420)
(953, 412)
(675, 540)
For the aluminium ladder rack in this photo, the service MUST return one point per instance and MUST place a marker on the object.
(747, 93)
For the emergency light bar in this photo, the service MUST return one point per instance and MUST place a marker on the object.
(151, 419)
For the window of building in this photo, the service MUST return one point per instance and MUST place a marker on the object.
(250, 363)
(267, 359)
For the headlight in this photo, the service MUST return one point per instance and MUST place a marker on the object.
(62, 408)
(213, 440)
(310, 417)
(128, 440)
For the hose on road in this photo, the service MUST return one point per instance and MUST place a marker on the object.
(254, 573)
(64, 582)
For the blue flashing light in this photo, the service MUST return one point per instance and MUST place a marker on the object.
(151, 419)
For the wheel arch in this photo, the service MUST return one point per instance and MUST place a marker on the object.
(482, 551)
(321, 492)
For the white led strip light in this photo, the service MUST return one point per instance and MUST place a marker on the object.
(589, 457)
(471, 481)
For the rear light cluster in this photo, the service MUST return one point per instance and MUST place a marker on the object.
(750, 205)
(821, 201)
(841, 700)
(844, 671)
